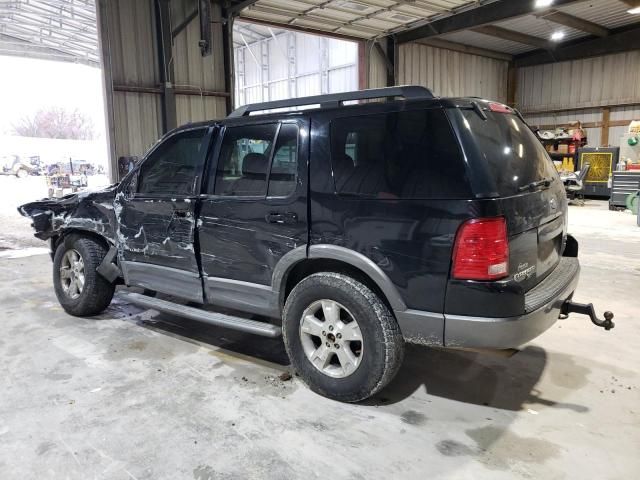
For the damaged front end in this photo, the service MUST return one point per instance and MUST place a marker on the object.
(91, 212)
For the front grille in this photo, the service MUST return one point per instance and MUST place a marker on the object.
(551, 286)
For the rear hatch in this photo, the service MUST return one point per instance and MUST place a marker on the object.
(518, 175)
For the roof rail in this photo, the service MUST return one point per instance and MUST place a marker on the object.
(332, 100)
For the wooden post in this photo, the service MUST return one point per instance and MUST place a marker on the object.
(606, 124)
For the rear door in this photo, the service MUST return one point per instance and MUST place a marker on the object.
(157, 216)
(254, 211)
(517, 166)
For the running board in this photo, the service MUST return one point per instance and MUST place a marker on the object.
(212, 318)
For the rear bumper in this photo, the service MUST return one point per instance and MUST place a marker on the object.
(542, 308)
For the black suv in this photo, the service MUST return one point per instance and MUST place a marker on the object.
(428, 220)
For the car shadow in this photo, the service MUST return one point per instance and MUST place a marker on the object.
(502, 382)
(499, 381)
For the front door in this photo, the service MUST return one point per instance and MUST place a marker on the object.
(157, 216)
(254, 212)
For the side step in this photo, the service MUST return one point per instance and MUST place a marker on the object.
(212, 318)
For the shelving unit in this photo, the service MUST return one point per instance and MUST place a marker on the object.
(553, 145)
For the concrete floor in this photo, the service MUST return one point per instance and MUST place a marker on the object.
(133, 394)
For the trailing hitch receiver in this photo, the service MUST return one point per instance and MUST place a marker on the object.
(587, 309)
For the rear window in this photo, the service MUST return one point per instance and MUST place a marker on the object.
(411, 154)
(512, 152)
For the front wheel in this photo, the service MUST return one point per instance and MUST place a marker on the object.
(341, 337)
(80, 289)
(22, 173)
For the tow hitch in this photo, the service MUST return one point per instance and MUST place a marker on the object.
(587, 309)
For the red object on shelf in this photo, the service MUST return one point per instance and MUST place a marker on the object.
(633, 166)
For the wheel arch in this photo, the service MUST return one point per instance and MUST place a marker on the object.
(67, 232)
(297, 265)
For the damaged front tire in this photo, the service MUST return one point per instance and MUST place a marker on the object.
(80, 289)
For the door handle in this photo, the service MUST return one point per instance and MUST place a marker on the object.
(281, 218)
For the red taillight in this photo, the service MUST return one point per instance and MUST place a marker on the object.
(481, 251)
(499, 108)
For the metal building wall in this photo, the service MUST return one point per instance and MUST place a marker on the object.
(133, 81)
(197, 73)
(293, 64)
(560, 93)
(376, 66)
(592, 82)
(449, 74)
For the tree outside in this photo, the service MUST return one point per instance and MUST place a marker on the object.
(56, 122)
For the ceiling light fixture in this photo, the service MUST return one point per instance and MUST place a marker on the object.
(634, 10)
(543, 3)
(557, 36)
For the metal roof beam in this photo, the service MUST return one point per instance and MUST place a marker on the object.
(476, 17)
(574, 22)
(620, 40)
(513, 36)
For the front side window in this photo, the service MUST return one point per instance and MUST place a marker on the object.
(409, 154)
(243, 164)
(175, 167)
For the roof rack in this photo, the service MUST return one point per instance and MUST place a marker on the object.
(332, 100)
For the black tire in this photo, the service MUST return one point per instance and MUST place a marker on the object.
(382, 343)
(97, 292)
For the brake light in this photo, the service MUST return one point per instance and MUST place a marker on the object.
(481, 250)
(499, 108)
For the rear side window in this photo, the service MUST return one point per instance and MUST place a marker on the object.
(513, 154)
(175, 167)
(410, 154)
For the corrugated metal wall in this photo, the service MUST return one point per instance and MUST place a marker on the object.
(294, 64)
(136, 122)
(377, 67)
(129, 41)
(607, 81)
(591, 82)
(450, 74)
(194, 71)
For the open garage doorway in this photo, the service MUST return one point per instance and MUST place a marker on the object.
(274, 64)
(52, 122)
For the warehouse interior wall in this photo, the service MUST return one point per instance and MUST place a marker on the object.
(134, 82)
(603, 93)
(452, 74)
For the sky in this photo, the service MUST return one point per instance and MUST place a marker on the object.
(27, 85)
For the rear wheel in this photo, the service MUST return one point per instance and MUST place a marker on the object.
(21, 173)
(341, 338)
(80, 289)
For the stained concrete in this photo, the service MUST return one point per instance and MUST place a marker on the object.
(134, 394)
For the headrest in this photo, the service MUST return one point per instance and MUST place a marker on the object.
(254, 164)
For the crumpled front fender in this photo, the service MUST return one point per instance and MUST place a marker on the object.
(87, 211)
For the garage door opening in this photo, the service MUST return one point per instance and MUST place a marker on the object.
(52, 121)
(274, 64)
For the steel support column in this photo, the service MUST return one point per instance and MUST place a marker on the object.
(227, 53)
(167, 76)
(104, 37)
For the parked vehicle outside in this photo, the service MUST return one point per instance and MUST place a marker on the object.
(15, 165)
(349, 229)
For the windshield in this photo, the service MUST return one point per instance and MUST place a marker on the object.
(514, 155)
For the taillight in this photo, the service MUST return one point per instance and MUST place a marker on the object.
(481, 251)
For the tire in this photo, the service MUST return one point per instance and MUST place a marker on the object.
(96, 292)
(378, 354)
(22, 173)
